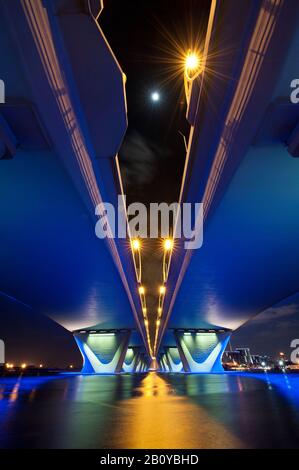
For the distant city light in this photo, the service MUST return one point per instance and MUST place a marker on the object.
(41, 366)
(71, 366)
(155, 96)
(23, 366)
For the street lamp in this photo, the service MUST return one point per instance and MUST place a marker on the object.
(162, 290)
(193, 67)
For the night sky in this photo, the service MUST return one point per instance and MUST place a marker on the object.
(146, 37)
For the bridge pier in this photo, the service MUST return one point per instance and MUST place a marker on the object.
(103, 351)
(164, 364)
(201, 350)
(132, 359)
(142, 364)
(173, 358)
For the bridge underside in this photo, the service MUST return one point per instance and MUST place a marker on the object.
(242, 167)
(58, 147)
(56, 166)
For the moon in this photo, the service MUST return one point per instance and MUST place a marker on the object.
(155, 96)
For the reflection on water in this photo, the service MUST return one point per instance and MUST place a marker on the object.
(150, 411)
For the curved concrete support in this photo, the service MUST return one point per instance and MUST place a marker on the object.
(103, 352)
(167, 362)
(161, 365)
(141, 363)
(164, 363)
(202, 351)
(131, 360)
(174, 359)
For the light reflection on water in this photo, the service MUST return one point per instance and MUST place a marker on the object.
(150, 411)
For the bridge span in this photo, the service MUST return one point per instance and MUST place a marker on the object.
(241, 163)
(61, 126)
(62, 123)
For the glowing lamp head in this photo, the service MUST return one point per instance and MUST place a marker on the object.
(192, 64)
(168, 244)
(192, 61)
(23, 366)
(144, 310)
(136, 244)
(159, 310)
(158, 322)
(162, 290)
(141, 290)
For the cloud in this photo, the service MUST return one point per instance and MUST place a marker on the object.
(139, 160)
(274, 313)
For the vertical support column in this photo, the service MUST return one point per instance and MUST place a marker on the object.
(137, 362)
(103, 352)
(140, 364)
(202, 351)
(167, 362)
(164, 363)
(161, 365)
(2, 352)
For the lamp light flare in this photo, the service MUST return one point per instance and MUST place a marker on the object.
(168, 244)
(141, 290)
(192, 61)
(162, 290)
(136, 244)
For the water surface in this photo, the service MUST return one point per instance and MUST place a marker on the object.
(150, 411)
